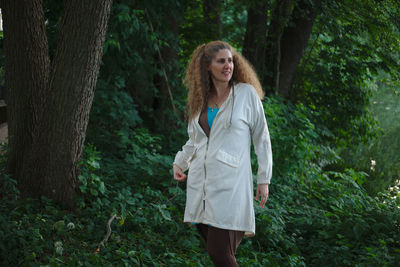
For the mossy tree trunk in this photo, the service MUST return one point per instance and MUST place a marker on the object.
(254, 44)
(49, 102)
(287, 38)
(293, 44)
(279, 21)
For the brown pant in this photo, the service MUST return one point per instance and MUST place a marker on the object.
(221, 244)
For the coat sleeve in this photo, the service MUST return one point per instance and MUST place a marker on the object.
(184, 157)
(261, 140)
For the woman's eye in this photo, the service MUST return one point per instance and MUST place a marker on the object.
(222, 61)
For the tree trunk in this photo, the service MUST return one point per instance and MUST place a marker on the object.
(255, 39)
(49, 107)
(211, 12)
(280, 18)
(27, 68)
(293, 43)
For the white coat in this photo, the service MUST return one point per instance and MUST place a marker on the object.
(219, 188)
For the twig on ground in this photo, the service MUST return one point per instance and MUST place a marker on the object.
(107, 236)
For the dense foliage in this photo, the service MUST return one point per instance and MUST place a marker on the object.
(327, 205)
(379, 157)
(313, 217)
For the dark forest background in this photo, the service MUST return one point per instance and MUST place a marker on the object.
(67, 177)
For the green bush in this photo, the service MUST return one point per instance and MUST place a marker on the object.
(313, 217)
(379, 157)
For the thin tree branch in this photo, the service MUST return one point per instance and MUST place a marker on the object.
(162, 63)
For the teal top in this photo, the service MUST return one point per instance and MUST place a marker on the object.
(211, 113)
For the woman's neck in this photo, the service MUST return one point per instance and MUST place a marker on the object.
(220, 88)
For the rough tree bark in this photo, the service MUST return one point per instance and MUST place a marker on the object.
(49, 102)
(254, 44)
(293, 44)
(27, 67)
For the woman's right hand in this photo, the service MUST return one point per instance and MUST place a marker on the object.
(178, 174)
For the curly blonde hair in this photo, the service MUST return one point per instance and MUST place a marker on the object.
(198, 80)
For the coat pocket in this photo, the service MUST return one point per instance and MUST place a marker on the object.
(228, 159)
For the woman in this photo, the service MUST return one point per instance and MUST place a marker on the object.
(225, 113)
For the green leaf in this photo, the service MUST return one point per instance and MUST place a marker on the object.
(59, 225)
(93, 192)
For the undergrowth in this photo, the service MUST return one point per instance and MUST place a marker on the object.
(313, 217)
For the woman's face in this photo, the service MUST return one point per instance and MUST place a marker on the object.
(221, 67)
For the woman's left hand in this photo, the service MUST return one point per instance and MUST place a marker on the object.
(262, 192)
